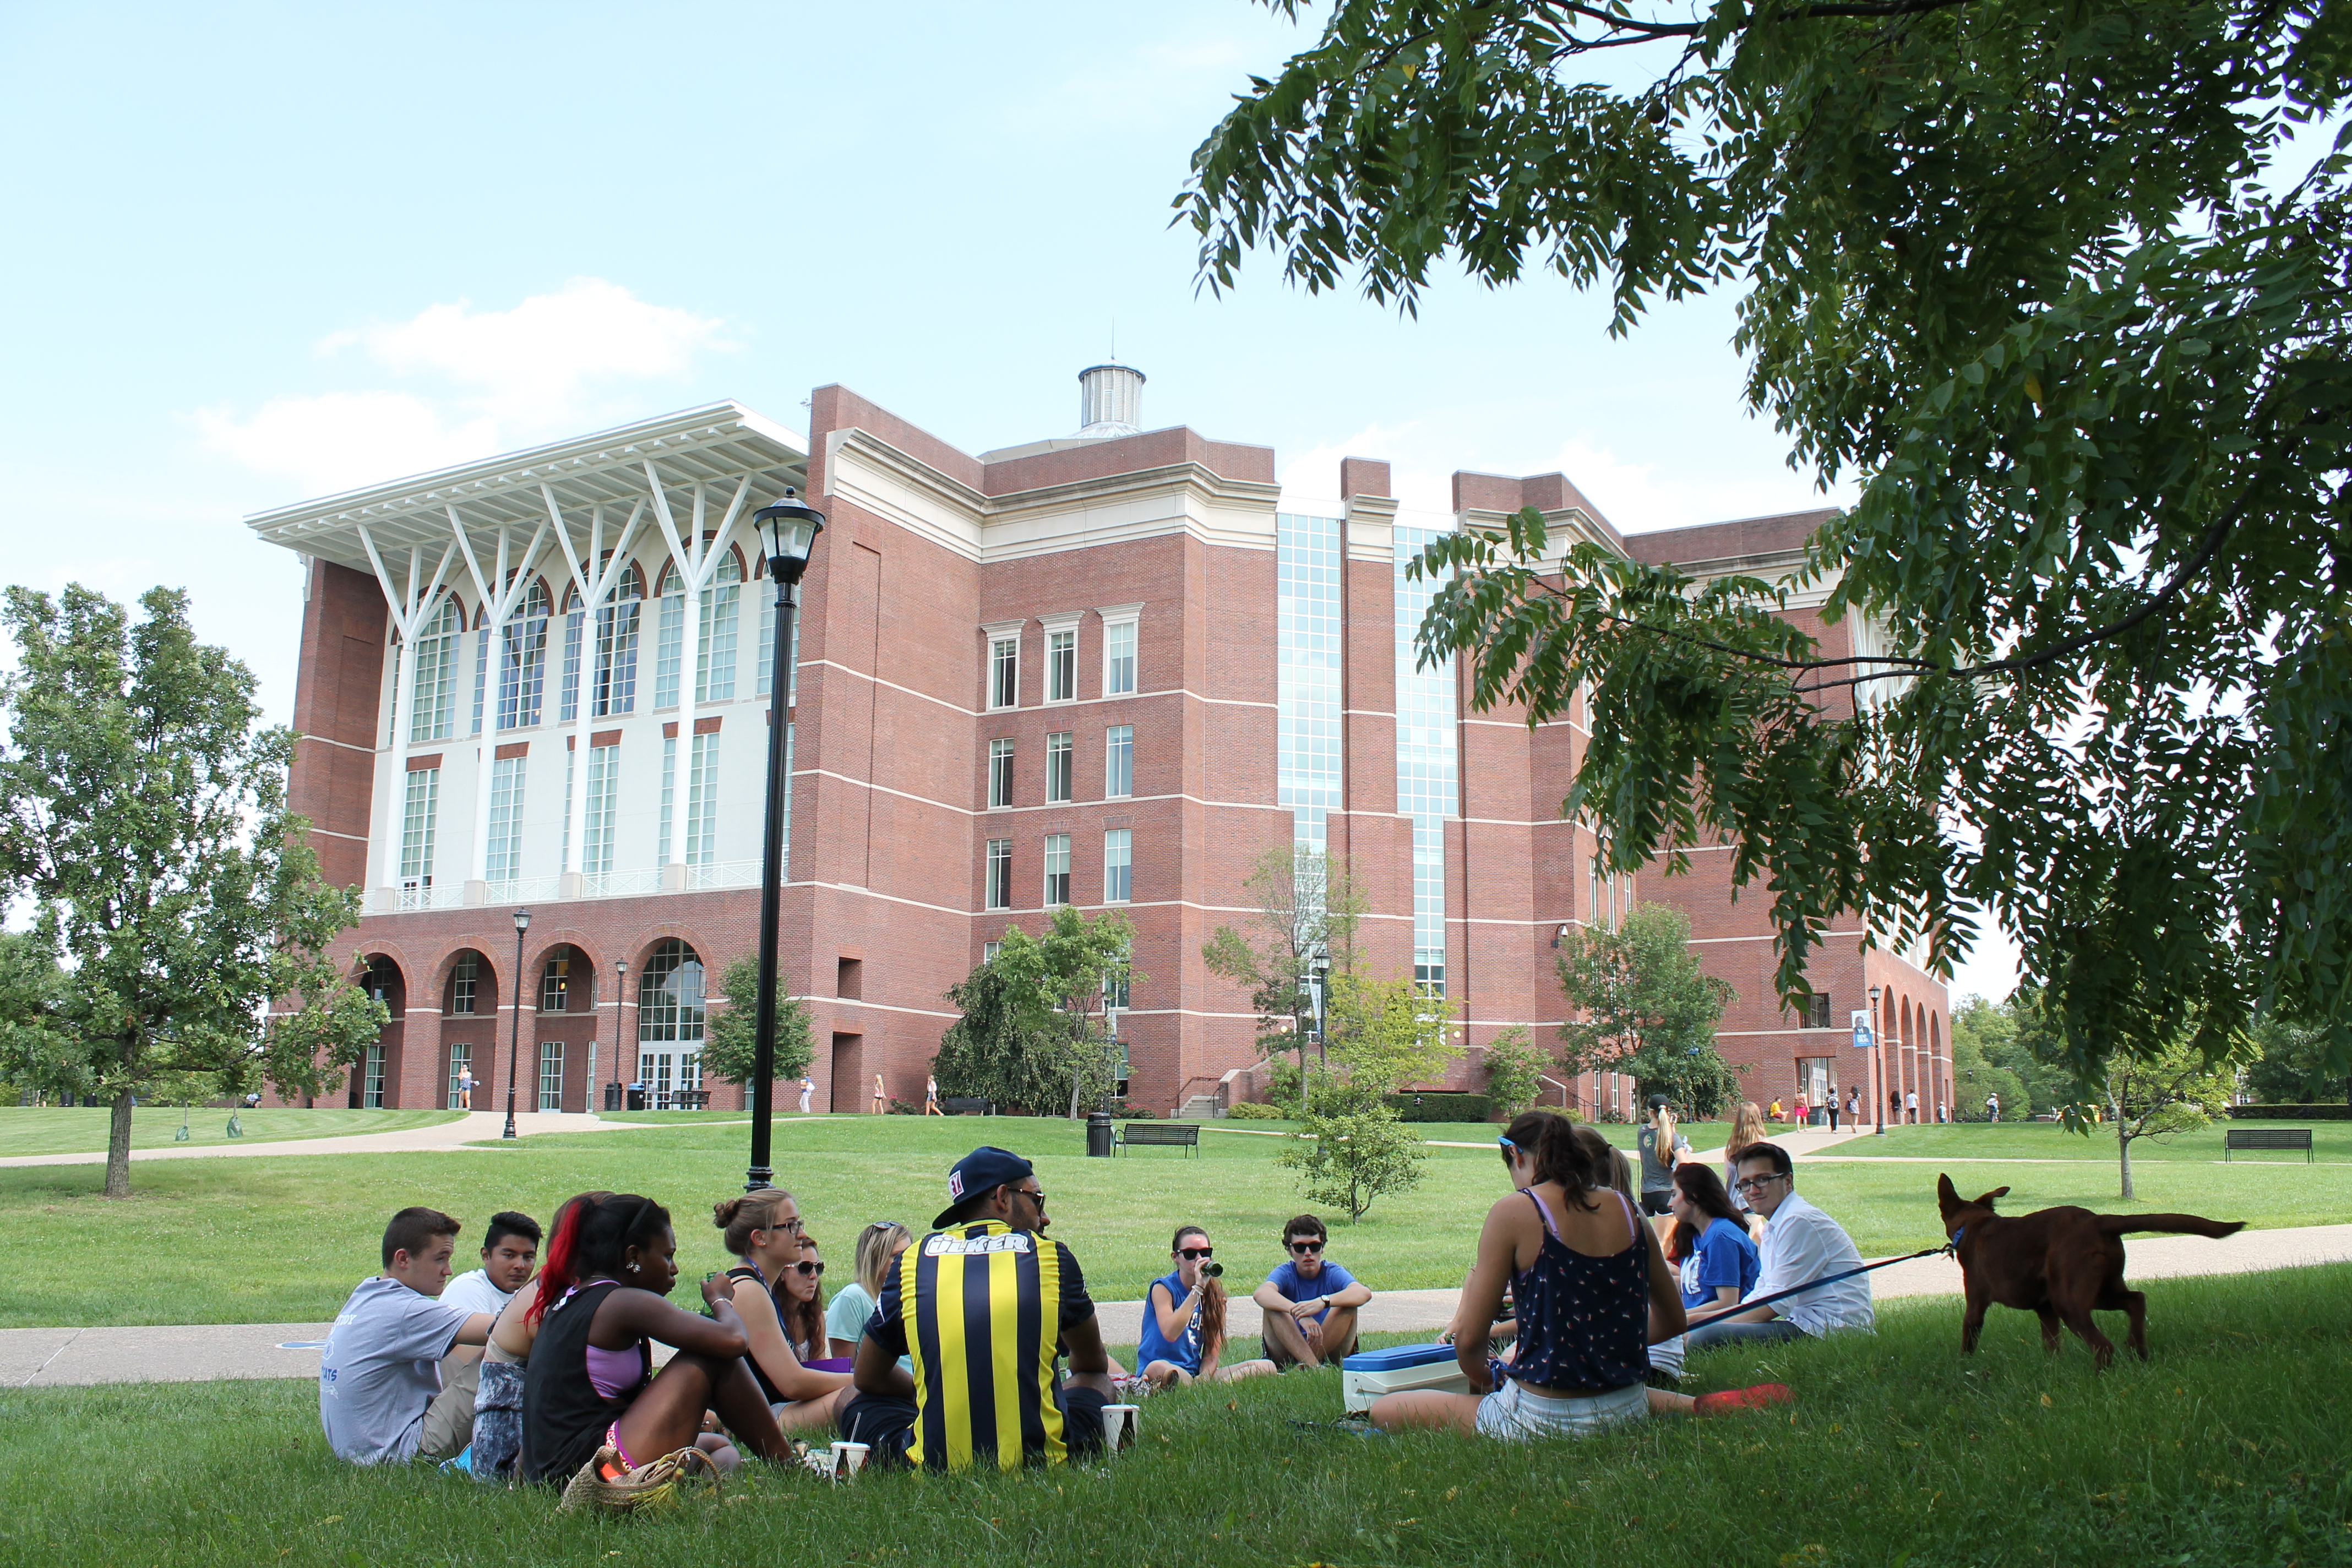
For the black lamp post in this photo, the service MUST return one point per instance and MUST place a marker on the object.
(788, 533)
(1878, 1059)
(625, 1055)
(1322, 971)
(514, 1036)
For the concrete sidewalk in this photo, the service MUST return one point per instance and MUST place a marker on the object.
(54, 1358)
(477, 1127)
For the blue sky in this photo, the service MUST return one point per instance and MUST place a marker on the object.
(262, 253)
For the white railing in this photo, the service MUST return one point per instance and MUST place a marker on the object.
(619, 884)
(521, 891)
(399, 901)
(724, 874)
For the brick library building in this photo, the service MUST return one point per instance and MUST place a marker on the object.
(1109, 670)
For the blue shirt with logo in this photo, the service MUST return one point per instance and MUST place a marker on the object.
(1330, 1282)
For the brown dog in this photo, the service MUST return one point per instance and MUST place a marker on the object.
(2059, 1263)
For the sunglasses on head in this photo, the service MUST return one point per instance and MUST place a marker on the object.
(1196, 1252)
(1304, 1247)
(807, 1269)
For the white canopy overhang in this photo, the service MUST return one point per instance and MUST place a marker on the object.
(662, 462)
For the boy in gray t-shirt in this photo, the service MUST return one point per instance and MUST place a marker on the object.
(380, 1393)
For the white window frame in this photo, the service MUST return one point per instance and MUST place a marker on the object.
(1130, 616)
(1061, 749)
(996, 893)
(998, 633)
(1111, 748)
(1062, 660)
(1119, 857)
(1000, 774)
(1058, 847)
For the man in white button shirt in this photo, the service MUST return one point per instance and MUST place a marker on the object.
(1801, 1243)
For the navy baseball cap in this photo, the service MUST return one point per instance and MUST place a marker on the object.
(976, 1176)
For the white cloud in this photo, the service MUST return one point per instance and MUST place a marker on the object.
(544, 369)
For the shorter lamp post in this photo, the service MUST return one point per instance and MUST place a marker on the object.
(514, 1034)
(623, 1056)
(1877, 1061)
(788, 533)
(1322, 971)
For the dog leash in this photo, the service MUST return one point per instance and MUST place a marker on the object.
(1833, 1279)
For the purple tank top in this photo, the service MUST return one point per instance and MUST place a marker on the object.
(1584, 1321)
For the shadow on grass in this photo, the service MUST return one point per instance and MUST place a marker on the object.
(2225, 1450)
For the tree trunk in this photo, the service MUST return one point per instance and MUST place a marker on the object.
(118, 1148)
(2123, 1150)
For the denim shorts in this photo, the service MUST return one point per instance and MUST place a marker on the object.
(1515, 1413)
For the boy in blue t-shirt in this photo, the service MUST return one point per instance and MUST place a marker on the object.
(1310, 1304)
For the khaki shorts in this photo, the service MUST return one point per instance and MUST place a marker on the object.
(449, 1419)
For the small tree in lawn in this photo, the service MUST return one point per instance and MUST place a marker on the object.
(143, 815)
(2176, 1091)
(1351, 1148)
(1032, 1033)
(731, 1041)
(1514, 1072)
(1385, 1035)
(1305, 907)
(1644, 1006)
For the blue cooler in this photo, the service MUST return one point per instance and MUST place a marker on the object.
(1368, 1374)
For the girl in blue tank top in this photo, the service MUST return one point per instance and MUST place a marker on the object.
(1591, 1290)
(1184, 1319)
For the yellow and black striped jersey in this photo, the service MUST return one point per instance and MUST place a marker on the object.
(981, 1309)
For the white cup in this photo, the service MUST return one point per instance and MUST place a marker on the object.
(848, 1459)
(1120, 1423)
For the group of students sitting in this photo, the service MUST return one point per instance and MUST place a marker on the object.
(948, 1351)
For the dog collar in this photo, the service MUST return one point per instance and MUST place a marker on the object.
(1958, 1234)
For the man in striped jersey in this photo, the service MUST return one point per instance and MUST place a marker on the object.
(985, 1307)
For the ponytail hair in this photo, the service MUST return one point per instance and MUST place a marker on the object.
(1662, 1118)
(1213, 1295)
(592, 1234)
(558, 1272)
(1559, 1153)
(738, 1217)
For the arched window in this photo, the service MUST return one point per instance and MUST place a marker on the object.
(670, 1023)
(433, 691)
(522, 659)
(575, 623)
(616, 687)
(667, 648)
(714, 680)
(563, 982)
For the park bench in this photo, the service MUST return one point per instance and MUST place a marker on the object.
(689, 1100)
(963, 1105)
(2237, 1138)
(1165, 1134)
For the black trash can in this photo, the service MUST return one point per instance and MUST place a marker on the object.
(636, 1097)
(1098, 1135)
(612, 1097)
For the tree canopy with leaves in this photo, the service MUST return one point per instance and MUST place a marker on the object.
(730, 1047)
(143, 817)
(1305, 908)
(1033, 1033)
(1643, 1007)
(2064, 288)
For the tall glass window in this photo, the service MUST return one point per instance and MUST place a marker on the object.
(670, 1021)
(555, 983)
(1426, 763)
(604, 804)
(481, 671)
(1004, 672)
(504, 861)
(567, 707)
(1058, 869)
(767, 674)
(1000, 874)
(372, 1078)
(703, 800)
(1118, 863)
(465, 976)
(551, 1075)
(669, 795)
(1061, 666)
(671, 639)
(1000, 772)
(615, 683)
(416, 814)
(433, 690)
(1057, 765)
(461, 1058)
(522, 660)
(714, 679)
(1119, 761)
(1118, 657)
(1308, 553)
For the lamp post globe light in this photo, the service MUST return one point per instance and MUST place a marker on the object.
(514, 1034)
(788, 531)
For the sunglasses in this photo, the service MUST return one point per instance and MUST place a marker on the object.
(1196, 1252)
(808, 1269)
(1505, 1143)
(1306, 1248)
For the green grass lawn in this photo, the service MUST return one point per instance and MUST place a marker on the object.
(83, 1130)
(2330, 1140)
(283, 1239)
(2225, 1451)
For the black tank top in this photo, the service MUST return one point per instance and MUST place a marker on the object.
(777, 1299)
(564, 1416)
